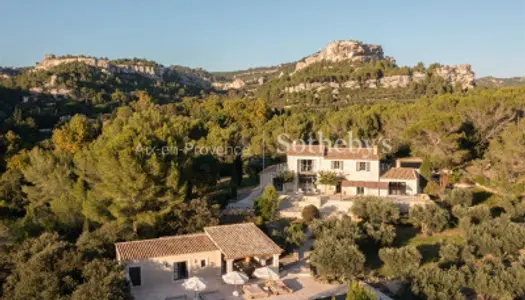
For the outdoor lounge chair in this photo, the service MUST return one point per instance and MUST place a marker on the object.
(254, 291)
(215, 295)
(278, 287)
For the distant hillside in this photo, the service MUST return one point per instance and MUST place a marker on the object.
(490, 81)
(343, 72)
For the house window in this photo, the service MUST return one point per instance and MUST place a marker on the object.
(203, 263)
(135, 276)
(180, 270)
(337, 165)
(360, 190)
(306, 165)
(363, 166)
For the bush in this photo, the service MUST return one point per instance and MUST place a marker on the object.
(358, 292)
(400, 261)
(430, 218)
(375, 210)
(266, 206)
(458, 197)
(310, 213)
(432, 189)
(454, 253)
(295, 235)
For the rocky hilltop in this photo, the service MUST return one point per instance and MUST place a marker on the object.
(343, 50)
(357, 53)
(145, 68)
(490, 81)
(342, 64)
(152, 70)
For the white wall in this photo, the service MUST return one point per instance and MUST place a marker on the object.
(350, 173)
(159, 270)
(412, 185)
(352, 191)
(350, 169)
(293, 165)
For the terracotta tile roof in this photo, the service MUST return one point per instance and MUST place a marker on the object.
(352, 153)
(242, 240)
(400, 173)
(333, 153)
(366, 184)
(165, 246)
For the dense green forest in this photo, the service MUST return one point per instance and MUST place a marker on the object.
(120, 169)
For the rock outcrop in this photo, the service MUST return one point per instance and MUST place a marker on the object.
(338, 51)
(154, 71)
(396, 81)
(148, 69)
(343, 50)
(461, 75)
(234, 85)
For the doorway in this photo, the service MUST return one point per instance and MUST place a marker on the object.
(338, 188)
(180, 270)
(134, 276)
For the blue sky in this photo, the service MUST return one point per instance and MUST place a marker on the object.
(223, 35)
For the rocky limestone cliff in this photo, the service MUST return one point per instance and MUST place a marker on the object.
(343, 50)
(385, 82)
(234, 85)
(337, 51)
(151, 70)
(461, 74)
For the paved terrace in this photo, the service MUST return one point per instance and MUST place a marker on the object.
(293, 205)
(304, 288)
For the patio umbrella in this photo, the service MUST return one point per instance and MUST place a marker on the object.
(194, 284)
(235, 278)
(266, 273)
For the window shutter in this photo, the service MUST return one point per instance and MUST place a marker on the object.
(368, 166)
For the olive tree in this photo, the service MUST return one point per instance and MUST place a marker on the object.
(430, 218)
(400, 261)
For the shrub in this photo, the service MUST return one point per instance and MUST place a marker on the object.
(266, 206)
(458, 197)
(499, 237)
(358, 292)
(400, 261)
(454, 253)
(295, 235)
(337, 259)
(436, 283)
(375, 210)
(430, 218)
(310, 213)
(432, 188)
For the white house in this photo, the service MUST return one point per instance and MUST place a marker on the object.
(360, 171)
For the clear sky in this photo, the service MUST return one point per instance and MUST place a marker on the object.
(221, 35)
